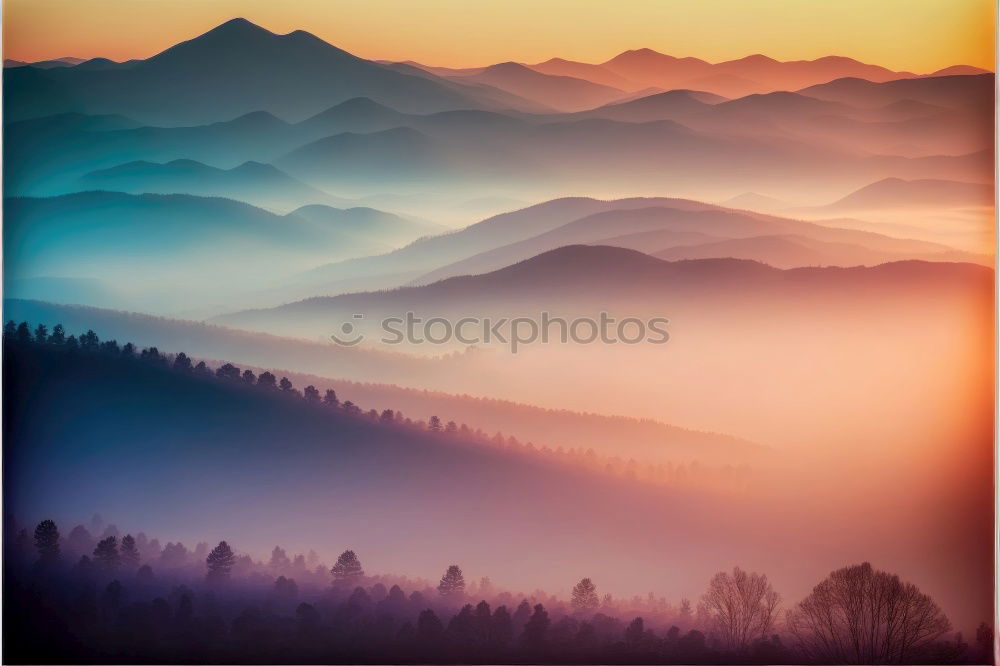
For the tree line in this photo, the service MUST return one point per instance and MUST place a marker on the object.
(724, 477)
(113, 607)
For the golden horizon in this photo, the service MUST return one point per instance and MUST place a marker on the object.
(906, 36)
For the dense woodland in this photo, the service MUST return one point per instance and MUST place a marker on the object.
(97, 595)
(673, 474)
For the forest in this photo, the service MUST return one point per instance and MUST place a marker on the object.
(97, 595)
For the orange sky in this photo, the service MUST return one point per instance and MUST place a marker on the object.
(915, 35)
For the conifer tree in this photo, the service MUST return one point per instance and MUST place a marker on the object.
(452, 583)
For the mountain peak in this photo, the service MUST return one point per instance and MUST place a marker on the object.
(238, 24)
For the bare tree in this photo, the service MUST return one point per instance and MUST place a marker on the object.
(741, 607)
(859, 615)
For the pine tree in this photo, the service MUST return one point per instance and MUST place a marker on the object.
(23, 333)
(47, 541)
(129, 552)
(330, 399)
(279, 559)
(348, 568)
(452, 583)
(435, 424)
(106, 554)
(249, 378)
(537, 628)
(311, 394)
(41, 334)
(584, 596)
(9, 330)
(220, 562)
(182, 362)
(267, 381)
(228, 371)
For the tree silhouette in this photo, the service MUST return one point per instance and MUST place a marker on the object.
(434, 424)
(202, 370)
(741, 607)
(537, 629)
(9, 329)
(106, 554)
(41, 334)
(182, 363)
(58, 335)
(452, 583)
(311, 394)
(129, 552)
(387, 416)
(127, 350)
(348, 568)
(47, 541)
(429, 627)
(859, 615)
(451, 428)
(23, 334)
(249, 378)
(228, 371)
(89, 341)
(501, 628)
(286, 385)
(220, 562)
(584, 596)
(330, 399)
(634, 633)
(279, 559)
(267, 381)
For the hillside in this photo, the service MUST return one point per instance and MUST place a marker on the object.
(218, 439)
(364, 376)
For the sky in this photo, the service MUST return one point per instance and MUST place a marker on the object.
(912, 35)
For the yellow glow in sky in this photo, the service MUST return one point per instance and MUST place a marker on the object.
(913, 35)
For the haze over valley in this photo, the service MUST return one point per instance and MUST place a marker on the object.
(814, 236)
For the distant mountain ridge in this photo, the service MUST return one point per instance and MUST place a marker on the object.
(234, 68)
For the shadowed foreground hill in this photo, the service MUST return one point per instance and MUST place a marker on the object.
(176, 451)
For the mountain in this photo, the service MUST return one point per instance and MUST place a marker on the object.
(587, 72)
(951, 92)
(561, 92)
(428, 254)
(368, 224)
(665, 223)
(736, 78)
(578, 276)
(405, 479)
(162, 250)
(899, 193)
(326, 366)
(233, 69)
(45, 64)
(401, 153)
(754, 201)
(788, 251)
(659, 106)
(259, 184)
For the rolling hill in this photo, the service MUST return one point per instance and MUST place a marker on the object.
(253, 182)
